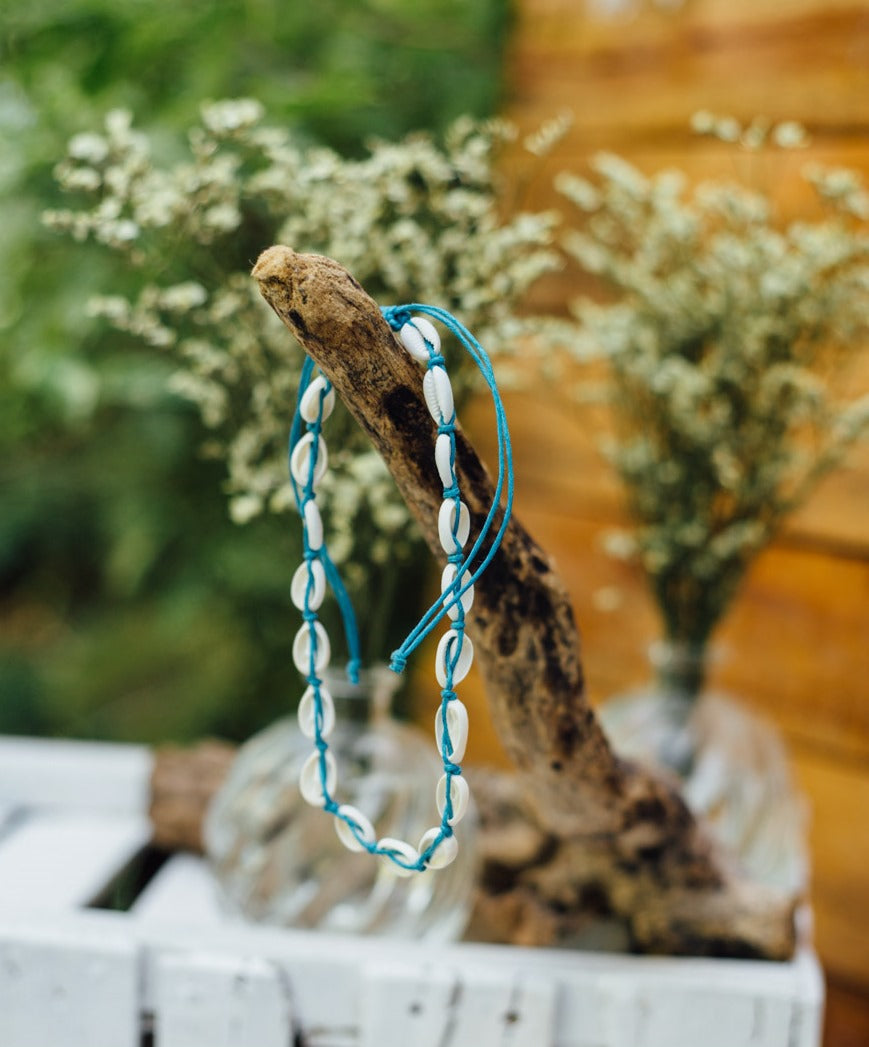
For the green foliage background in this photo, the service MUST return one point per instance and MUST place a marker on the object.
(130, 607)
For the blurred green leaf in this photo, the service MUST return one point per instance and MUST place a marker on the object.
(130, 607)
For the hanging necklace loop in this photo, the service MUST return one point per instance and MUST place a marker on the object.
(308, 456)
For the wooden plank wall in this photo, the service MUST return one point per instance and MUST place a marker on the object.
(796, 640)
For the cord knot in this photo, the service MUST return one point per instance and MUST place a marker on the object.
(396, 316)
(398, 661)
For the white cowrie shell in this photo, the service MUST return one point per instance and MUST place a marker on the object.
(299, 585)
(346, 834)
(414, 342)
(457, 722)
(310, 785)
(446, 516)
(309, 408)
(428, 330)
(401, 850)
(460, 795)
(307, 713)
(447, 579)
(313, 525)
(438, 394)
(300, 460)
(443, 452)
(445, 650)
(445, 852)
(302, 648)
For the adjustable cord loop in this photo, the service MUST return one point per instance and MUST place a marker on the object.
(396, 318)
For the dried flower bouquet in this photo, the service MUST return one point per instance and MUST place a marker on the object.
(727, 344)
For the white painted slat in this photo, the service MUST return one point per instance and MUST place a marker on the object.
(205, 999)
(596, 1003)
(57, 860)
(8, 811)
(330, 979)
(184, 889)
(670, 1002)
(808, 1013)
(646, 1013)
(68, 986)
(94, 776)
(435, 1007)
(408, 1005)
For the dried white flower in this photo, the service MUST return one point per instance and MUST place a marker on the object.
(703, 122)
(244, 507)
(232, 115)
(413, 220)
(720, 348)
(549, 134)
(790, 135)
(183, 297)
(89, 148)
(727, 128)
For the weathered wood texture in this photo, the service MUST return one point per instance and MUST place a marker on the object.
(795, 644)
(657, 867)
(183, 781)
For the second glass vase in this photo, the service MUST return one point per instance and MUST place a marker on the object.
(731, 763)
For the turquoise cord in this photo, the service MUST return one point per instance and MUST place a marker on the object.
(396, 317)
(449, 600)
(345, 604)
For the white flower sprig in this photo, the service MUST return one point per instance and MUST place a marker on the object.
(413, 220)
(726, 344)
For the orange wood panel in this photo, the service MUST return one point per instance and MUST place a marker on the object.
(634, 79)
(558, 462)
(838, 794)
(846, 1015)
(796, 642)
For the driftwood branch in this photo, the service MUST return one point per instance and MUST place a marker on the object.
(610, 825)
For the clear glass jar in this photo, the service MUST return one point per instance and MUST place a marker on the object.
(279, 860)
(731, 762)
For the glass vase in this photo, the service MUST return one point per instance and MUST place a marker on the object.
(731, 763)
(279, 860)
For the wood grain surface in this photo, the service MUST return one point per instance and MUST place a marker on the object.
(796, 644)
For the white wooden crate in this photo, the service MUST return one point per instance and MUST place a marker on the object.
(175, 971)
